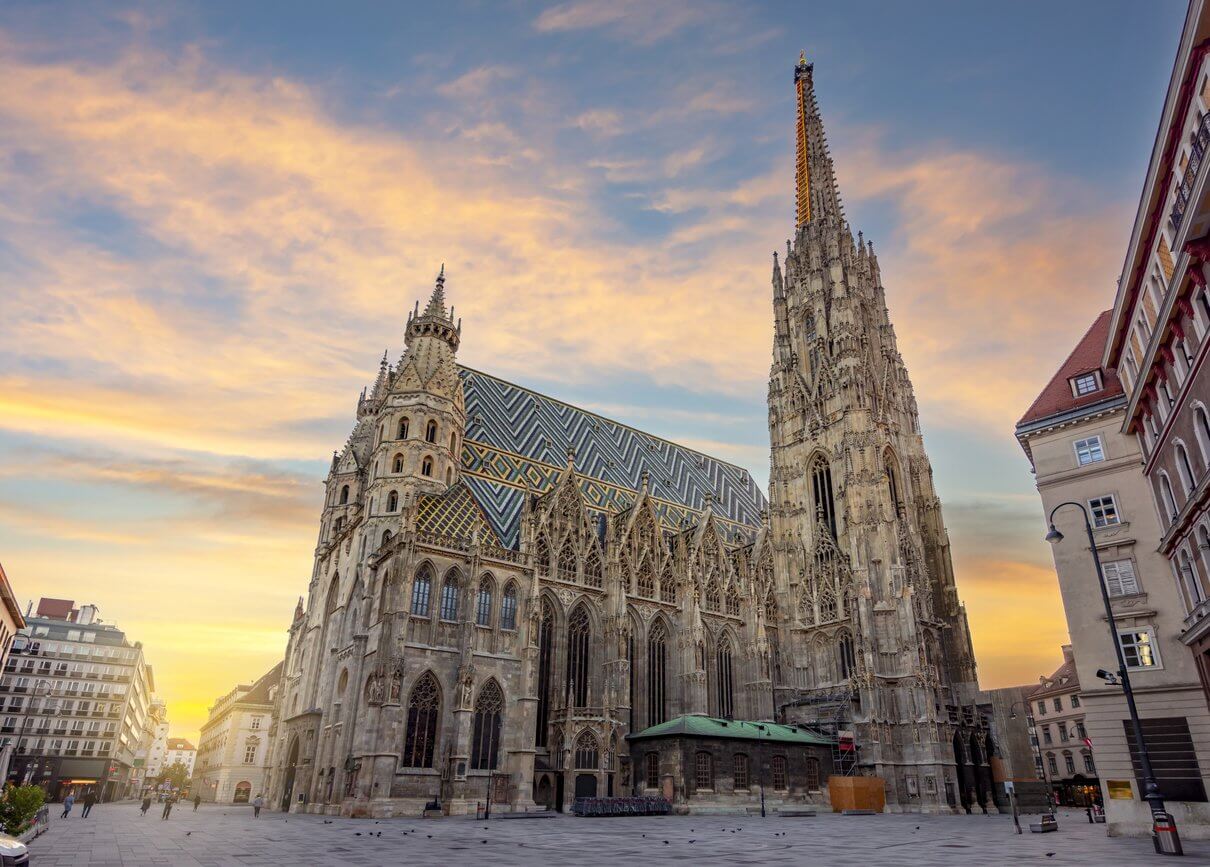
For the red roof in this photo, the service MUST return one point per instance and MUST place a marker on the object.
(55, 609)
(1057, 397)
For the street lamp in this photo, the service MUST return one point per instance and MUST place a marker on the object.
(1151, 788)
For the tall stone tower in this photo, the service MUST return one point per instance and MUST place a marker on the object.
(879, 644)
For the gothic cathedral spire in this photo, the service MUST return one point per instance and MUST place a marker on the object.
(881, 646)
(816, 197)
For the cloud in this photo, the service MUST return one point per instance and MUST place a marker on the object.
(477, 83)
(598, 121)
(645, 23)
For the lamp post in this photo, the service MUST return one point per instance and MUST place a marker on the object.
(1151, 788)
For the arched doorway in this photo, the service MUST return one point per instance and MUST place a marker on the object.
(243, 792)
(965, 783)
(288, 782)
(980, 771)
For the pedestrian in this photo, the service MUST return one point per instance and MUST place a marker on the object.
(168, 802)
(197, 802)
(146, 805)
(257, 803)
(89, 800)
(67, 804)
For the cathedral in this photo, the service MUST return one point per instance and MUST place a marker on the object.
(509, 593)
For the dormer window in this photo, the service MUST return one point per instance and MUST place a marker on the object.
(1086, 383)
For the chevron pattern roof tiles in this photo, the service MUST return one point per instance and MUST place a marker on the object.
(517, 439)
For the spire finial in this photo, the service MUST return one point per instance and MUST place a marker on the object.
(802, 57)
(436, 305)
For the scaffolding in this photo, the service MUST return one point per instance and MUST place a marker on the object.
(829, 713)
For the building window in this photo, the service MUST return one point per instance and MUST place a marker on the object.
(579, 630)
(1058, 703)
(255, 723)
(1138, 646)
(449, 599)
(508, 608)
(1052, 764)
(1085, 383)
(1089, 767)
(779, 772)
(545, 664)
(423, 710)
(1046, 738)
(657, 669)
(653, 770)
(403, 428)
(588, 756)
(740, 771)
(1089, 451)
(250, 754)
(703, 776)
(344, 495)
(821, 488)
(848, 660)
(1075, 702)
(1120, 579)
(1064, 737)
(392, 501)
(1201, 428)
(1104, 511)
(485, 747)
(426, 467)
(1070, 763)
(1167, 497)
(397, 464)
(726, 705)
(812, 774)
(483, 611)
(430, 432)
(1041, 708)
(421, 589)
(1185, 469)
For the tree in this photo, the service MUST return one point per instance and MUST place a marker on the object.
(177, 773)
(18, 807)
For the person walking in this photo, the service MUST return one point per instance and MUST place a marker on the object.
(168, 802)
(90, 798)
(257, 803)
(197, 802)
(146, 805)
(68, 802)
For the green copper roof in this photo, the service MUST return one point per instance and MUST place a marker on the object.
(709, 727)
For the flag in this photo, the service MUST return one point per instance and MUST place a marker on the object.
(1088, 743)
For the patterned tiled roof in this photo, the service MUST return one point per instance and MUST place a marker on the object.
(454, 513)
(517, 440)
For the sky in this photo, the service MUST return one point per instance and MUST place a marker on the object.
(214, 217)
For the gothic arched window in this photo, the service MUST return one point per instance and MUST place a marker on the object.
(424, 709)
(546, 632)
(703, 770)
(453, 444)
(483, 608)
(403, 428)
(592, 569)
(485, 747)
(392, 501)
(733, 601)
(828, 609)
(422, 589)
(449, 598)
(657, 675)
(426, 467)
(579, 635)
(668, 586)
(542, 556)
(722, 679)
(588, 752)
(508, 608)
(711, 596)
(386, 537)
(397, 464)
(567, 562)
(344, 495)
(821, 490)
(430, 432)
(892, 477)
(845, 656)
(645, 584)
(770, 607)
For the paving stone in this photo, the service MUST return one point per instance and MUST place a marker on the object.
(116, 836)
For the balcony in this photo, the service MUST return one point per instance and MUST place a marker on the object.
(1197, 624)
(1184, 190)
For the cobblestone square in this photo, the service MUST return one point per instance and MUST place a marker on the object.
(115, 834)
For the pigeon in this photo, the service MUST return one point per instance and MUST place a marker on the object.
(358, 833)
(482, 841)
(187, 833)
(430, 836)
(665, 842)
(693, 841)
(379, 833)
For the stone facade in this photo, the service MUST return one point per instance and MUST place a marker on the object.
(503, 583)
(874, 633)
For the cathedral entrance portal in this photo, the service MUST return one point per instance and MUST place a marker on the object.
(586, 785)
(291, 768)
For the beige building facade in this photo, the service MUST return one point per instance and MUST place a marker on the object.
(1073, 437)
(230, 762)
